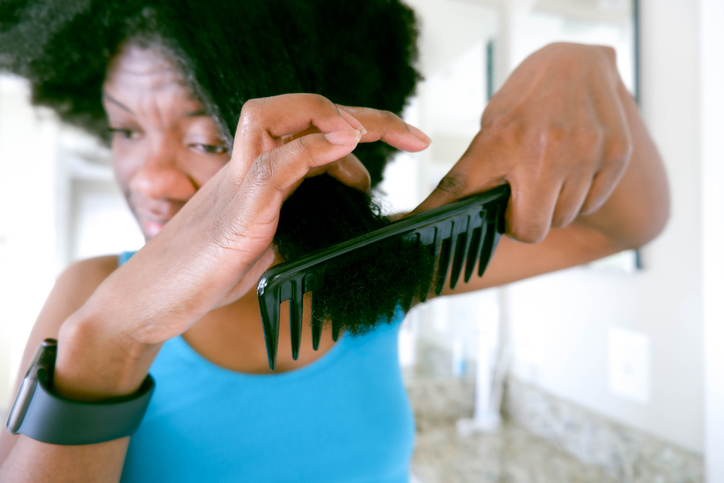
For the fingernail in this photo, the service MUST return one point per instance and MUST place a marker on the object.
(351, 136)
(352, 121)
(419, 134)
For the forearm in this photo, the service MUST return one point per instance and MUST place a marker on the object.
(92, 365)
(638, 209)
(33, 461)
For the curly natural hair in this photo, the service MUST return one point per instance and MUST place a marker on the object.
(354, 53)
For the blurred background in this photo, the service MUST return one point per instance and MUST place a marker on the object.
(607, 372)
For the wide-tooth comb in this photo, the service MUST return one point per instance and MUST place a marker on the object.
(459, 233)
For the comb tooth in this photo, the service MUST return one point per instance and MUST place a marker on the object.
(487, 250)
(495, 227)
(270, 318)
(428, 235)
(500, 229)
(409, 240)
(496, 240)
(460, 250)
(296, 317)
(425, 293)
(335, 331)
(476, 239)
(316, 324)
(443, 265)
(310, 285)
(407, 302)
(500, 217)
(446, 238)
(428, 238)
(331, 272)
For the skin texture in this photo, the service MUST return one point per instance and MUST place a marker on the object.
(586, 181)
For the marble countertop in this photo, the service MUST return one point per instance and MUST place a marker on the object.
(546, 439)
(511, 455)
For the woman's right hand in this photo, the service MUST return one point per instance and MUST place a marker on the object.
(214, 250)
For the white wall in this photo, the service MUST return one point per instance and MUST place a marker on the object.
(27, 234)
(712, 98)
(560, 323)
(56, 207)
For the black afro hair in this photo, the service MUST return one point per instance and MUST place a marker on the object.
(354, 53)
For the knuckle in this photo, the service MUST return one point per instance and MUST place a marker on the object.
(528, 228)
(250, 112)
(306, 151)
(389, 116)
(588, 139)
(452, 184)
(316, 102)
(619, 151)
(551, 135)
(389, 119)
(251, 106)
(528, 233)
(264, 168)
(588, 209)
(320, 101)
(562, 220)
(591, 205)
(609, 52)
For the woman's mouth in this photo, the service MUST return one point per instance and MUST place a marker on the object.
(151, 227)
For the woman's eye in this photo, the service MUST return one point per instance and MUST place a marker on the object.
(209, 148)
(123, 133)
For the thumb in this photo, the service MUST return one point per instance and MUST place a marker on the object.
(450, 188)
(482, 168)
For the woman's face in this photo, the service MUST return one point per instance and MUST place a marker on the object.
(165, 147)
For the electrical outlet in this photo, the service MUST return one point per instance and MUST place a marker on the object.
(629, 364)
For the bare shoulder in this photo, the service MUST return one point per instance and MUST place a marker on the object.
(76, 284)
(71, 290)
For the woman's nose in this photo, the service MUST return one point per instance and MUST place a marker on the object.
(162, 176)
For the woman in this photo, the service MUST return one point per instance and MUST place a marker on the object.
(585, 177)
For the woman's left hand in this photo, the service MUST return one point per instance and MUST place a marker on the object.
(556, 132)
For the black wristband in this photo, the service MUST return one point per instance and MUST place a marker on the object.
(53, 419)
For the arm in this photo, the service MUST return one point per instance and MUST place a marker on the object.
(586, 178)
(71, 291)
(209, 255)
(635, 214)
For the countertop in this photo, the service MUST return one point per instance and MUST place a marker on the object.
(511, 455)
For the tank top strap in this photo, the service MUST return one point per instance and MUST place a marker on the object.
(124, 257)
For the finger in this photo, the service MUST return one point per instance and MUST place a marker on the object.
(451, 187)
(349, 170)
(387, 127)
(265, 121)
(605, 181)
(570, 200)
(603, 185)
(282, 168)
(480, 169)
(290, 113)
(312, 129)
(616, 153)
(530, 209)
(352, 120)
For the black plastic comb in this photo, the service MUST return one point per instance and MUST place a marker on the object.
(464, 231)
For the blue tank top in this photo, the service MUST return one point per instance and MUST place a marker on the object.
(343, 418)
